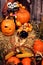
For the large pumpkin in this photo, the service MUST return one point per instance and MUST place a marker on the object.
(13, 60)
(23, 15)
(38, 46)
(26, 61)
(8, 27)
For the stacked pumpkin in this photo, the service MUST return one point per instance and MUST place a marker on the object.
(8, 25)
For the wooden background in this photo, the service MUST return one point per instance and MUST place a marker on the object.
(36, 8)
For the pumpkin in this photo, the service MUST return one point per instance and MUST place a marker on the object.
(13, 60)
(23, 15)
(26, 61)
(38, 46)
(42, 62)
(8, 27)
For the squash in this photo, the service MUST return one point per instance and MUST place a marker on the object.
(26, 54)
(28, 27)
(9, 55)
(18, 23)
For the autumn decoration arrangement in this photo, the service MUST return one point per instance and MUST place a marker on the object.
(17, 25)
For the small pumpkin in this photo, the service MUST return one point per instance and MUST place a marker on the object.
(13, 60)
(23, 15)
(38, 46)
(8, 27)
(26, 61)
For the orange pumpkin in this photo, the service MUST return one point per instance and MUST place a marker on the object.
(23, 15)
(8, 27)
(38, 46)
(14, 60)
(26, 61)
(42, 62)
